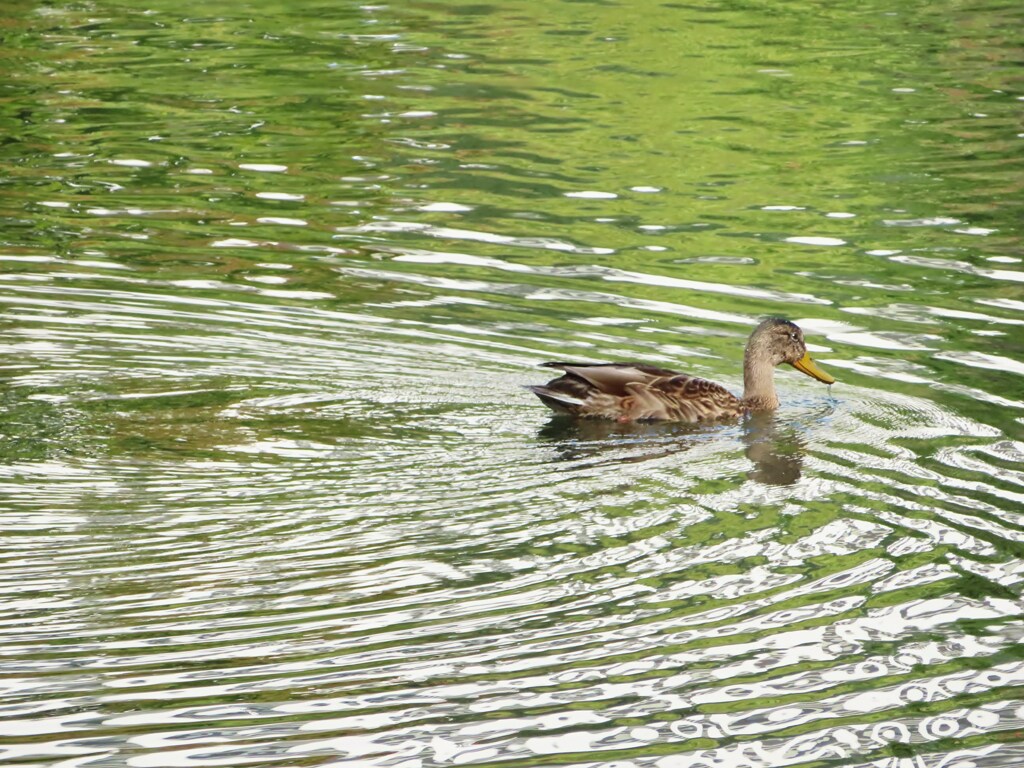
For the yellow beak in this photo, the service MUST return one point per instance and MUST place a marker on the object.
(808, 366)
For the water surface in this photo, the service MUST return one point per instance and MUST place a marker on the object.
(274, 274)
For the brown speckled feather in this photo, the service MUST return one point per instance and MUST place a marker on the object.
(688, 398)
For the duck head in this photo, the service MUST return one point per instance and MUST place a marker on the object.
(778, 341)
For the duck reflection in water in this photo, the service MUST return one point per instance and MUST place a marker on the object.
(774, 446)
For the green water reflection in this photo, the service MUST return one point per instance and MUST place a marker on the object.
(274, 274)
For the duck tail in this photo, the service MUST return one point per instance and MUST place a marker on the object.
(557, 401)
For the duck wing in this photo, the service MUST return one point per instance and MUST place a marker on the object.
(595, 390)
(685, 398)
(607, 378)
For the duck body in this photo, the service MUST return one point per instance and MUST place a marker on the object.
(638, 392)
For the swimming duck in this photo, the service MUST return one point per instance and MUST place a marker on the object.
(628, 392)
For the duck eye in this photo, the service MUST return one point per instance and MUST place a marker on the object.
(793, 336)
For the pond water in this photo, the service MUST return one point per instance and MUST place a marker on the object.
(273, 276)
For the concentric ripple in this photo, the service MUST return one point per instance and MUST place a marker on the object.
(272, 280)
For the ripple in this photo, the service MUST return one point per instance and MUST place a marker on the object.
(816, 240)
(282, 499)
(461, 234)
(592, 195)
(263, 167)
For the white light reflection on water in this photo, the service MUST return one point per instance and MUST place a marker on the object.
(281, 499)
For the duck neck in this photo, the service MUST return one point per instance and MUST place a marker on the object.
(759, 381)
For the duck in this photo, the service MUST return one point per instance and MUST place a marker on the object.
(637, 392)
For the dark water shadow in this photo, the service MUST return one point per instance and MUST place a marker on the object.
(775, 447)
(581, 439)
